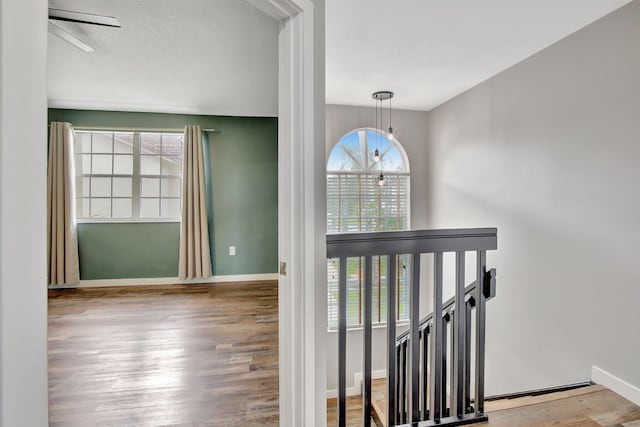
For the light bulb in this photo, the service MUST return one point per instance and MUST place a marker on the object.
(376, 156)
(390, 133)
(381, 180)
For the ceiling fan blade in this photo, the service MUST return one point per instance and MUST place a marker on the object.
(83, 18)
(59, 32)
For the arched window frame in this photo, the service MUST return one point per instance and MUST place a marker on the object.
(368, 173)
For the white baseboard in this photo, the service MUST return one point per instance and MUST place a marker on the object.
(356, 389)
(623, 388)
(168, 281)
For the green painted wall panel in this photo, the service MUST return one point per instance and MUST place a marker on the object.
(242, 185)
(128, 250)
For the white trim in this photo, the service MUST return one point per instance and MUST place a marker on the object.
(169, 281)
(126, 220)
(620, 386)
(356, 388)
(302, 214)
(101, 105)
(278, 9)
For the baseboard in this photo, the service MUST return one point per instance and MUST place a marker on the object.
(168, 281)
(356, 389)
(623, 388)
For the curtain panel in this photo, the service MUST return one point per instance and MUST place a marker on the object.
(195, 258)
(62, 240)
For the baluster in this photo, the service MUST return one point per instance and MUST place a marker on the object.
(398, 419)
(467, 354)
(342, 343)
(368, 318)
(425, 376)
(391, 340)
(445, 320)
(414, 315)
(458, 329)
(403, 401)
(436, 342)
(481, 269)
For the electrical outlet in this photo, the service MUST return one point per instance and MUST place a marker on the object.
(232, 250)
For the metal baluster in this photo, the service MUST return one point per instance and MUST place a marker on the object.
(459, 334)
(342, 343)
(391, 339)
(398, 420)
(368, 318)
(445, 320)
(403, 392)
(470, 302)
(425, 376)
(414, 315)
(481, 269)
(436, 342)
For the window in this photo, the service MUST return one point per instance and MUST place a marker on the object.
(128, 175)
(356, 203)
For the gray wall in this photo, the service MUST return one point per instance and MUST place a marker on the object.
(548, 151)
(411, 131)
(23, 218)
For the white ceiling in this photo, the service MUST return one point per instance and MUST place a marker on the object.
(428, 51)
(186, 56)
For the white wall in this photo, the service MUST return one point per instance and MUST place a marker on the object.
(549, 152)
(23, 289)
(411, 131)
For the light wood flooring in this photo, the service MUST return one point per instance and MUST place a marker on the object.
(192, 355)
(591, 406)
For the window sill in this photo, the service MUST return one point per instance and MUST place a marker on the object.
(374, 326)
(124, 220)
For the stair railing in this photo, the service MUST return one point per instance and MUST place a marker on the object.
(417, 359)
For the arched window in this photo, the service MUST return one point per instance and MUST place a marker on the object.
(356, 202)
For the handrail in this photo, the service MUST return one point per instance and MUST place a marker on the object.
(445, 306)
(411, 242)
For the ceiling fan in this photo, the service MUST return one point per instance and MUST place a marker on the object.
(80, 18)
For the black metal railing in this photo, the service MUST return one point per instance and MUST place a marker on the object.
(421, 364)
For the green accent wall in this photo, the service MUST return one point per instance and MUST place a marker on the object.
(241, 170)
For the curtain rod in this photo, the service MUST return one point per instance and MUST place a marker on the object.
(127, 129)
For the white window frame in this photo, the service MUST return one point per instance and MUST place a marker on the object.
(369, 172)
(136, 179)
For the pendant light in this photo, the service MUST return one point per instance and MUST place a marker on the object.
(379, 97)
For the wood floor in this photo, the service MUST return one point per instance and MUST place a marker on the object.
(592, 406)
(193, 355)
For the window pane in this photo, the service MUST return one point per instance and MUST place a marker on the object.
(171, 187)
(82, 186)
(121, 208)
(101, 164)
(122, 187)
(170, 208)
(83, 164)
(150, 165)
(100, 208)
(82, 208)
(150, 187)
(150, 143)
(102, 142)
(149, 208)
(100, 187)
(172, 144)
(123, 164)
(171, 165)
(123, 142)
(82, 141)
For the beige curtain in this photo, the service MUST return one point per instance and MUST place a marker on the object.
(62, 241)
(195, 259)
